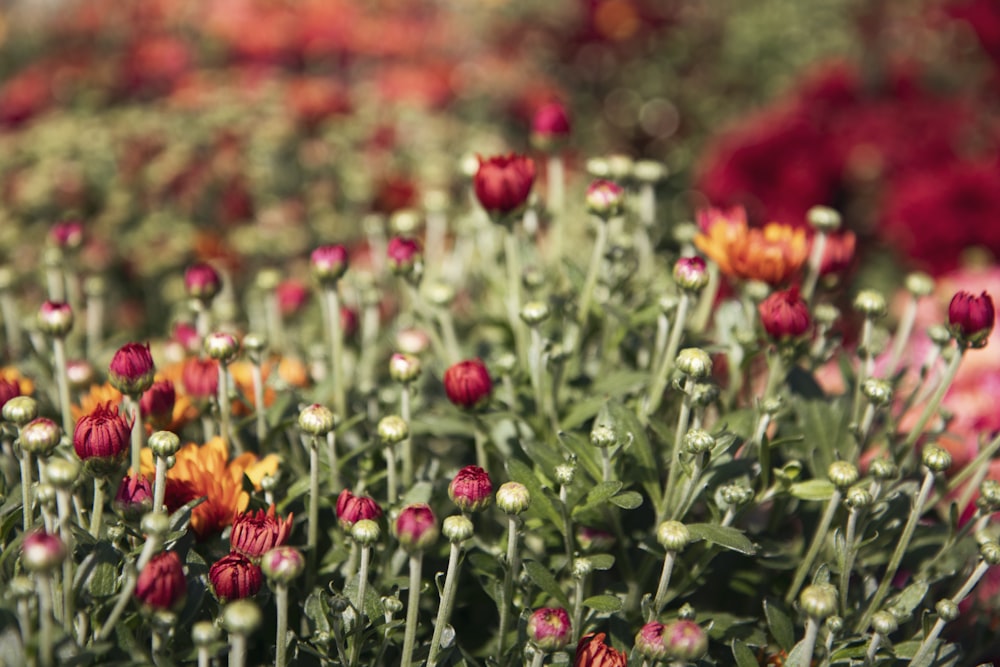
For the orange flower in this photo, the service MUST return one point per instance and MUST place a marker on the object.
(98, 394)
(206, 471)
(291, 371)
(11, 374)
(720, 231)
(772, 254)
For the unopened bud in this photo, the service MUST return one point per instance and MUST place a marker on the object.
(393, 429)
(697, 441)
(404, 368)
(391, 604)
(283, 564)
(843, 474)
(990, 551)
(40, 437)
(221, 346)
(513, 498)
(440, 294)
(871, 304)
(937, 459)
(365, 532)
(582, 567)
(819, 601)
(736, 494)
(204, 633)
(919, 284)
(947, 610)
(673, 535)
(603, 436)
(989, 494)
(823, 219)
(241, 617)
(884, 623)
(155, 524)
(878, 391)
(883, 469)
(695, 363)
(939, 334)
(565, 474)
(255, 344)
(858, 497)
(535, 312)
(826, 314)
(316, 420)
(63, 473)
(20, 410)
(457, 528)
(164, 443)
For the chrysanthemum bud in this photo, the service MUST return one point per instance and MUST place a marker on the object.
(694, 362)
(134, 497)
(698, 441)
(673, 535)
(835, 625)
(161, 583)
(550, 126)
(685, 641)
(826, 314)
(391, 604)
(919, 284)
(131, 369)
(282, 564)
(155, 524)
(164, 443)
(989, 494)
(416, 527)
(234, 577)
(843, 474)
(257, 532)
(582, 567)
(200, 378)
(204, 633)
(366, 532)
(605, 199)
(457, 528)
(513, 498)
(45, 493)
(471, 489)
(440, 293)
(101, 439)
(393, 429)
(871, 304)
(884, 623)
(937, 459)
(40, 436)
(649, 171)
(42, 552)
(785, 315)
(549, 629)
(55, 319)
(316, 420)
(404, 368)
(329, 263)
(63, 473)
(20, 410)
(651, 642)
(971, 318)
(22, 587)
(823, 219)
(603, 436)
(877, 390)
(736, 494)
(157, 403)
(947, 610)
(565, 474)
(403, 254)
(412, 341)
(221, 346)
(818, 601)
(503, 185)
(352, 508)
(255, 344)
(883, 469)
(534, 313)
(241, 617)
(990, 551)
(467, 383)
(691, 274)
(593, 540)
(858, 497)
(202, 282)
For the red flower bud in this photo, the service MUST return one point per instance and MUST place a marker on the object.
(971, 318)
(8, 389)
(157, 403)
(549, 629)
(292, 296)
(550, 126)
(42, 552)
(131, 369)
(591, 651)
(202, 282)
(416, 527)
(605, 199)
(503, 184)
(352, 508)
(201, 378)
(102, 437)
(471, 489)
(403, 253)
(134, 497)
(187, 336)
(255, 533)
(468, 383)
(348, 321)
(67, 234)
(161, 583)
(329, 263)
(594, 539)
(690, 273)
(686, 641)
(234, 577)
(784, 315)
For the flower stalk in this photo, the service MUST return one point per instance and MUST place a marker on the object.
(412, 608)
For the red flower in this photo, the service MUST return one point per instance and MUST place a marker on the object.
(202, 282)
(416, 527)
(352, 508)
(503, 184)
(784, 315)
(971, 318)
(157, 403)
(255, 533)
(103, 436)
(838, 253)
(235, 577)
(200, 378)
(549, 628)
(468, 383)
(403, 253)
(134, 497)
(161, 583)
(471, 489)
(131, 369)
(593, 652)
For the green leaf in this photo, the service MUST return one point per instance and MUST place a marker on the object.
(180, 519)
(420, 493)
(540, 503)
(640, 450)
(318, 611)
(543, 578)
(825, 427)
(98, 573)
(797, 656)
(602, 561)
(723, 536)
(814, 489)
(743, 655)
(628, 500)
(909, 598)
(779, 624)
(608, 604)
(603, 491)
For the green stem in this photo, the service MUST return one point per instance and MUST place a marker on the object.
(46, 638)
(661, 588)
(66, 534)
(331, 454)
(390, 475)
(159, 483)
(675, 454)
(62, 384)
(812, 631)
(606, 463)
(26, 501)
(507, 593)
(24, 622)
(600, 243)
(225, 411)
(815, 263)
(513, 261)
(906, 323)
(865, 354)
(451, 346)
(447, 601)
(412, 609)
(817, 543)
(535, 365)
(927, 644)
(872, 648)
(579, 592)
(935, 401)
(258, 400)
(237, 650)
(404, 412)
(689, 492)
(281, 632)
(97, 515)
(659, 384)
(359, 604)
(850, 553)
(336, 350)
(537, 660)
(138, 432)
(567, 524)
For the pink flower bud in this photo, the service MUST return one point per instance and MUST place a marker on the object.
(131, 370)
(55, 319)
(471, 489)
(202, 282)
(282, 564)
(468, 383)
(235, 577)
(784, 315)
(971, 318)
(690, 273)
(134, 497)
(161, 583)
(67, 234)
(352, 508)
(42, 552)
(416, 527)
(550, 126)
(403, 254)
(256, 532)
(329, 263)
(157, 403)
(102, 438)
(549, 629)
(605, 199)
(200, 378)
(503, 184)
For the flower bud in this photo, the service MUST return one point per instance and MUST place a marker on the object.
(234, 577)
(603, 436)
(416, 527)
(22, 587)
(736, 494)
(651, 641)
(784, 315)
(550, 126)
(457, 528)
(883, 469)
(503, 184)
(471, 489)
(391, 604)
(884, 623)
(513, 498)
(673, 535)
(241, 617)
(534, 313)
(593, 540)
(582, 567)
(282, 564)
(835, 625)
(971, 318)
(131, 369)
(565, 474)
(843, 474)
(605, 199)
(157, 403)
(697, 441)
(990, 551)
(200, 378)
(221, 346)
(694, 362)
(20, 410)
(164, 443)
(45, 493)
(412, 341)
(467, 383)
(549, 629)
(404, 368)
(878, 391)
(42, 553)
(937, 459)
(101, 439)
(155, 524)
(328, 263)
(202, 282)
(989, 494)
(63, 473)
(947, 610)
(40, 437)
(316, 420)
(441, 294)
(204, 634)
(55, 318)
(823, 219)
(366, 532)
(684, 641)
(649, 171)
(826, 314)
(919, 284)
(690, 274)
(858, 498)
(161, 583)
(393, 429)
(352, 508)
(871, 304)
(134, 497)
(819, 601)
(404, 254)
(254, 533)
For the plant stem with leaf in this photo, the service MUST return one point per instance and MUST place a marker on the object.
(661, 588)
(412, 609)
(814, 547)
(447, 601)
(507, 592)
(928, 642)
(659, 384)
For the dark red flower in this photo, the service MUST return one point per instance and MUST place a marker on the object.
(131, 370)
(784, 315)
(102, 436)
(471, 489)
(503, 184)
(200, 378)
(134, 497)
(256, 532)
(591, 651)
(235, 577)
(403, 253)
(157, 403)
(971, 318)
(416, 527)
(202, 281)
(161, 583)
(468, 383)
(352, 508)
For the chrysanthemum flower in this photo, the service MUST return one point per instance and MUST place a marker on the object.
(257, 532)
(772, 254)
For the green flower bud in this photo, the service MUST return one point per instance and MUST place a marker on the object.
(603, 436)
(771, 406)
(534, 313)
(316, 420)
(404, 368)
(673, 535)
(697, 441)
(990, 551)
(221, 346)
(919, 284)
(878, 391)
(440, 294)
(241, 617)
(736, 494)
(391, 604)
(694, 363)
(649, 171)
(843, 474)
(819, 601)
(937, 459)
(884, 623)
(939, 334)
(513, 498)
(20, 410)
(989, 494)
(365, 532)
(756, 290)
(533, 279)
(46, 495)
(204, 633)
(164, 444)
(63, 473)
(565, 474)
(22, 587)
(835, 625)
(825, 314)
(871, 304)
(883, 469)
(255, 344)
(457, 528)
(858, 497)
(947, 610)
(582, 567)
(40, 437)
(393, 429)
(823, 219)
(155, 524)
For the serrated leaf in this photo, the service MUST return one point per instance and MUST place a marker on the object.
(743, 655)
(814, 489)
(542, 577)
(723, 536)
(640, 450)
(603, 492)
(779, 624)
(628, 500)
(602, 561)
(540, 503)
(607, 604)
